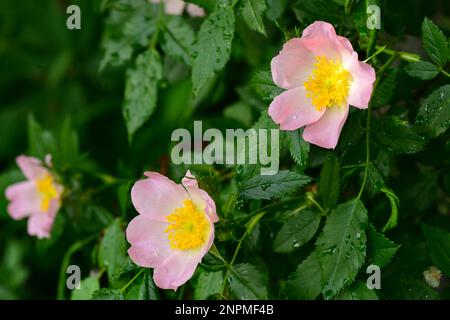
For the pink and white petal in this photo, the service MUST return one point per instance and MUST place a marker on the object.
(25, 199)
(150, 245)
(40, 225)
(157, 196)
(54, 207)
(203, 202)
(321, 39)
(293, 65)
(293, 110)
(325, 132)
(362, 85)
(174, 7)
(189, 180)
(31, 167)
(177, 269)
(195, 11)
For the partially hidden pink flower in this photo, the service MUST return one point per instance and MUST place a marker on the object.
(176, 7)
(38, 198)
(174, 228)
(322, 77)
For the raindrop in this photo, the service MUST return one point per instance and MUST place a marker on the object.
(295, 244)
(294, 117)
(358, 235)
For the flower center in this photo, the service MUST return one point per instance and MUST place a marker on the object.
(46, 190)
(328, 84)
(188, 228)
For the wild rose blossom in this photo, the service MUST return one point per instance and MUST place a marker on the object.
(174, 228)
(176, 7)
(322, 75)
(38, 198)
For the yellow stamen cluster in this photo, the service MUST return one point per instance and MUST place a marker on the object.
(328, 84)
(46, 190)
(188, 228)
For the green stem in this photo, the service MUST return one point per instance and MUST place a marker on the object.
(125, 287)
(407, 56)
(238, 248)
(444, 72)
(159, 23)
(66, 260)
(313, 201)
(369, 113)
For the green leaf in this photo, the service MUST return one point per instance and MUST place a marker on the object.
(107, 294)
(208, 284)
(213, 47)
(329, 182)
(147, 288)
(141, 90)
(264, 86)
(253, 14)
(298, 148)
(40, 142)
(358, 291)
(438, 243)
(269, 187)
(435, 42)
(375, 179)
(342, 245)
(305, 281)
(380, 249)
(112, 250)
(247, 282)
(433, 118)
(178, 38)
(296, 231)
(423, 70)
(409, 287)
(397, 136)
(394, 201)
(275, 8)
(87, 288)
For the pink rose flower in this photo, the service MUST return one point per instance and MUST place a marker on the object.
(174, 230)
(322, 75)
(176, 7)
(38, 198)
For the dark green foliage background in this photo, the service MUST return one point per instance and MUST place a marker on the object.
(74, 94)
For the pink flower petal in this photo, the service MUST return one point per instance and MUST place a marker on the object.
(362, 85)
(321, 39)
(325, 132)
(195, 11)
(189, 180)
(292, 67)
(174, 7)
(31, 167)
(293, 110)
(200, 197)
(25, 199)
(177, 269)
(150, 245)
(40, 224)
(157, 196)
